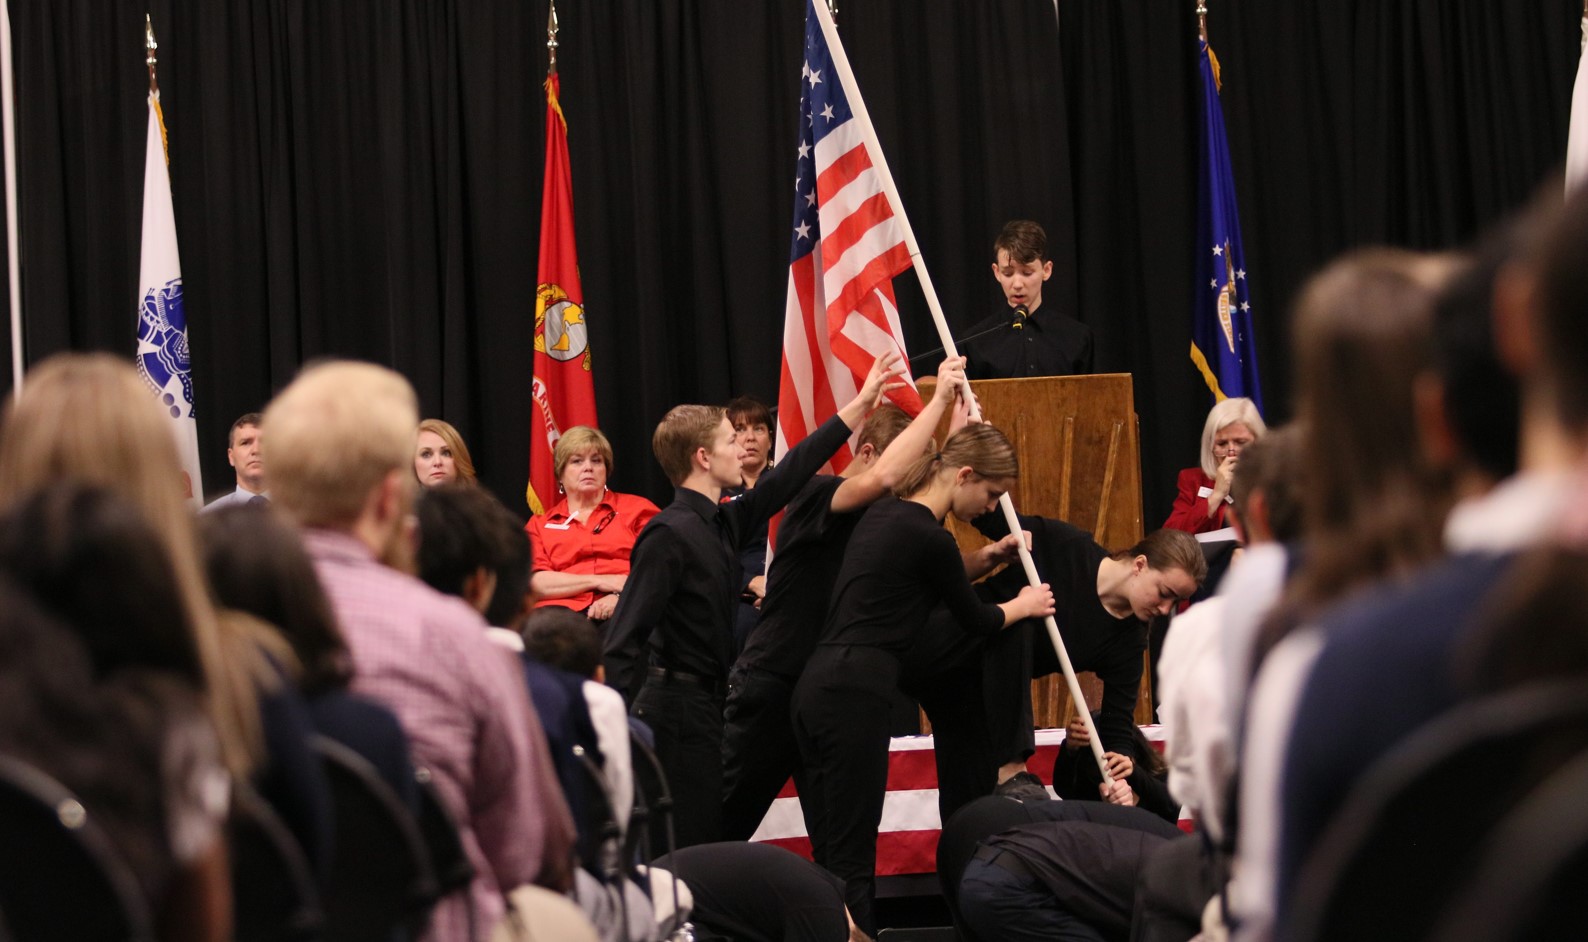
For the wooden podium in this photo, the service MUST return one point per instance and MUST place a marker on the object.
(1080, 461)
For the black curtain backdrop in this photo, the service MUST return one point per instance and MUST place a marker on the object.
(363, 179)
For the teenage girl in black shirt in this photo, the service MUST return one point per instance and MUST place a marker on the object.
(900, 563)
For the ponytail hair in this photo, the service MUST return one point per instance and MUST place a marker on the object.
(1170, 549)
(982, 448)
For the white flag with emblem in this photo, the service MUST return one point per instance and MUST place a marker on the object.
(164, 360)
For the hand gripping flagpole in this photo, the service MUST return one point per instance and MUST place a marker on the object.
(857, 105)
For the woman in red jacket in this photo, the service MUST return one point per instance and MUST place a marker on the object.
(1204, 492)
(582, 543)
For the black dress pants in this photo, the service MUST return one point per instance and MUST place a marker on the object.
(759, 752)
(841, 724)
(687, 722)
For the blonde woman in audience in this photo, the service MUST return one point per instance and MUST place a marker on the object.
(88, 419)
(440, 456)
(1203, 493)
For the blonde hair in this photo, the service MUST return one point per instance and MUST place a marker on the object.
(577, 441)
(334, 434)
(89, 418)
(981, 447)
(683, 430)
(1225, 413)
(462, 462)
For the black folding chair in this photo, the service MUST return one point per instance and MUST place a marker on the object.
(1406, 837)
(274, 897)
(449, 862)
(1533, 871)
(381, 876)
(60, 877)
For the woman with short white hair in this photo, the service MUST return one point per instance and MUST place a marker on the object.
(1204, 492)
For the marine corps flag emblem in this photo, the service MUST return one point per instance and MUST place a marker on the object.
(562, 389)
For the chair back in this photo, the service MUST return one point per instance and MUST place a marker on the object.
(274, 897)
(61, 877)
(381, 876)
(1414, 827)
(1533, 870)
(449, 862)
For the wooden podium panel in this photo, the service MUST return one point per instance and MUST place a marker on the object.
(1080, 461)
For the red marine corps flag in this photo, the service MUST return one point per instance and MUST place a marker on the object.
(563, 391)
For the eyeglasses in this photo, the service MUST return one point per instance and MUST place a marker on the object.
(611, 516)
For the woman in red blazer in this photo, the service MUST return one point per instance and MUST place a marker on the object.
(1204, 493)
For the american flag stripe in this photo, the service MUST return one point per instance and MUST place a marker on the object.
(846, 247)
(907, 835)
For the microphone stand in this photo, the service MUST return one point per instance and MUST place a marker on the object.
(1019, 323)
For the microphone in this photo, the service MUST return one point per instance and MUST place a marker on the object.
(1020, 314)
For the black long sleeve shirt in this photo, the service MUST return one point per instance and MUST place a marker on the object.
(1048, 343)
(899, 565)
(1067, 558)
(684, 572)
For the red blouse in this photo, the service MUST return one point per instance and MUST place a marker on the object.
(598, 545)
(1190, 511)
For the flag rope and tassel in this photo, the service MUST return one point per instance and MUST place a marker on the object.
(857, 105)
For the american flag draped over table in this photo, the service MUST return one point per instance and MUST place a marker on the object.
(846, 247)
(1222, 344)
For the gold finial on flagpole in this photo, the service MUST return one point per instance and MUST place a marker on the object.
(551, 39)
(1202, 18)
(150, 47)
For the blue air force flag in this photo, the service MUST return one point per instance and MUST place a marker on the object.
(164, 360)
(1222, 345)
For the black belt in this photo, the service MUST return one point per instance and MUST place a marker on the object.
(1004, 860)
(666, 676)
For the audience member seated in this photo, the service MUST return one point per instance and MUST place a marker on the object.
(1373, 509)
(341, 457)
(107, 697)
(256, 564)
(582, 543)
(759, 893)
(1138, 774)
(1505, 381)
(88, 418)
(441, 457)
(1203, 493)
(244, 454)
(472, 547)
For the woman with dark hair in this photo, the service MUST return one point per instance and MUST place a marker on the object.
(1373, 507)
(256, 564)
(101, 686)
(899, 564)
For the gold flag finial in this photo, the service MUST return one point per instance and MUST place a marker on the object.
(551, 40)
(150, 48)
(1202, 19)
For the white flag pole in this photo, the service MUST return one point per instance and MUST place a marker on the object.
(13, 250)
(857, 107)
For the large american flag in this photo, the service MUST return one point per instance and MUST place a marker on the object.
(846, 246)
